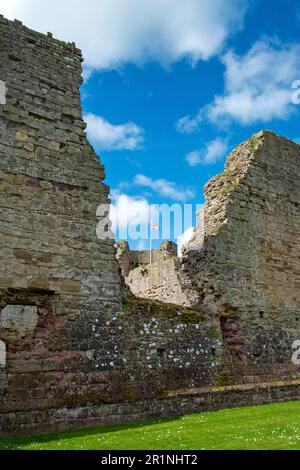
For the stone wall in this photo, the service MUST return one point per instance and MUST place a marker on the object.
(242, 264)
(76, 349)
(67, 347)
(132, 259)
(159, 280)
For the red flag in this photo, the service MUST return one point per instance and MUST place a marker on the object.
(155, 227)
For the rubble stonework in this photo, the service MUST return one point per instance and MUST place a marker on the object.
(75, 347)
(247, 271)
(132, 259)
(242, 264)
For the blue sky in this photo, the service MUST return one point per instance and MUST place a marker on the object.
(173, 86)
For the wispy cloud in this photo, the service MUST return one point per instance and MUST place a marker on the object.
(213, 152)
(114, 32)
(193, 158)
(165, 188)
(126, 210)
(184, 238)
(107, 136)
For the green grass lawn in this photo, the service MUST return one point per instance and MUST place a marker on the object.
(274, 426)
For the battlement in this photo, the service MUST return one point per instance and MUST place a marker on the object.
(42, 40)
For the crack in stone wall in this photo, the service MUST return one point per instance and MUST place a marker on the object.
(248, 268)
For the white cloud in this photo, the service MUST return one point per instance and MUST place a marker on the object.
(142, 245)
(213, 152)
(114, 32)
(107, 136)
(184, 238)
(194, 158)
(165, 188)
(2, 92)
(127, 213)
(258, 86)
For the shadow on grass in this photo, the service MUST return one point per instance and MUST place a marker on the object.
(13, 443)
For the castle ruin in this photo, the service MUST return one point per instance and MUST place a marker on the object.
(211, 329)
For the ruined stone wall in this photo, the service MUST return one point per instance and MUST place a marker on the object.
(160, 281)
(131, 259)
(242, 265)
(58, 282)
(73, 350)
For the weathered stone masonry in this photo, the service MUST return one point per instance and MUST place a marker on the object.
(248, 270)
(55, 275)
(74, 350)
(70, 354)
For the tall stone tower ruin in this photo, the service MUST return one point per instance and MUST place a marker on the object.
(58, 282)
